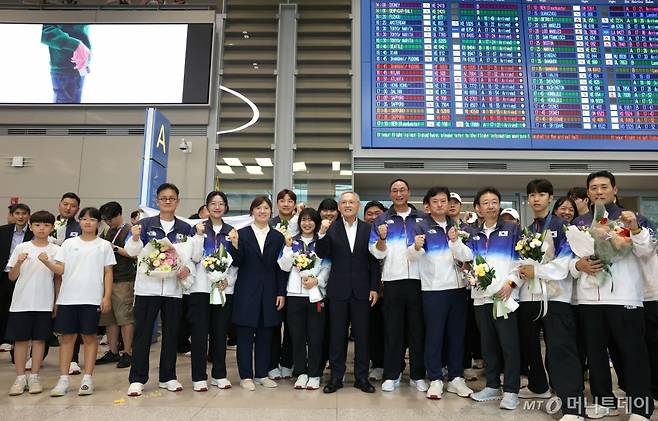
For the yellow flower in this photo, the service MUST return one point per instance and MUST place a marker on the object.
(162, 256)
(156, 263)
(154, 254)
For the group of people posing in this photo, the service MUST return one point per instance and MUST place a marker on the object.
(398, 280)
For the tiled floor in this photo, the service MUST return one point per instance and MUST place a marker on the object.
(110, 403)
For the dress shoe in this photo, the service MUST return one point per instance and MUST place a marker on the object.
(333, 386)
(364, 386)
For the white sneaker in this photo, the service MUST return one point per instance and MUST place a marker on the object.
(221, 383)
(172, 385)
(487, 394)
(391, 385)
(286, 373)
(458, 386)
(86, 386)
(34, 384)
(19, 386)
(5, 347)
(135, 389)
(266, 382)
(188, 354)
(74, 368)
(274, 374)
(526, 393)
(313, 383)
(510, 401)
(301, 382)
(571, 417)
(376, 374)
(60, 388)
(28, 364)
(470, 374)
(523, 381)
(103, 340)
(636, 417)
(420, 385)
(597, 411)
(248, 384)
(200, 386)
(436, 390)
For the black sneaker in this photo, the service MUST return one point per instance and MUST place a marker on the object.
(124, 360)
(109, 357)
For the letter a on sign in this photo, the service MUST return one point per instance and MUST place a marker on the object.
(161, 139)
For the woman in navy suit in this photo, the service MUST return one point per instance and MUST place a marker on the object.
(259, 293)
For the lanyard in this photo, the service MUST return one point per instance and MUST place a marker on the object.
(117, 234)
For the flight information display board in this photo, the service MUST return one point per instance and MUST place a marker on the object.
(510, 74)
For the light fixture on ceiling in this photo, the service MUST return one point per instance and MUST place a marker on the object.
(298, 166)
(335, 165)
(254, 169)
(264, 162)
(225, 169)
(346, 172)
(233, 162)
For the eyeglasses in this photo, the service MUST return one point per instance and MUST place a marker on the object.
(396, 191)
(167, 199)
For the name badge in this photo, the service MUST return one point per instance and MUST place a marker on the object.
(502, 233)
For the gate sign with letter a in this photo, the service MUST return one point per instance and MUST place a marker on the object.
(155, 156)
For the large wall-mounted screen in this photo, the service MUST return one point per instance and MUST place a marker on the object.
(95, 64)
(518, 74)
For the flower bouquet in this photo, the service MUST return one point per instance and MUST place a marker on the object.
(534, 250)
(282, 226)
(486, 281)
(217, 266)
(604, 240)
(59, 232)
(162, 258)
(307, 263)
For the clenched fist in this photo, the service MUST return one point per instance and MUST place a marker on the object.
(419, 241)
(452, 234)
(383, 231)
(233, 237)
(324, 226)
(136, 231)
(288, 241)
(21, 257)
(43, 256)
(200, 228)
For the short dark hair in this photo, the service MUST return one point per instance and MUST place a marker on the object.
(42, 217)
(135, 214)
(19, 206)
(539, 185)
(606, 174)
(200, 209)
(212, 195)
(433, 191)
(374, 203)
(559, 202)
(399, 179)
(90, 211)
(71, 195)
(110, 210)
(311, 213)
(328, 204)
(486, 190)
(259, 200)
(578, 193)
(167, 186)
(287, 192)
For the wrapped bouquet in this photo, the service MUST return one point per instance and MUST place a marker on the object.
(534, 250)
(307, 263)
(162, 258)
(282, 226)
(605, 240)
(486, 281)
(217, 266)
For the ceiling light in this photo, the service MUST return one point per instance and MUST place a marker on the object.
(233, 162)
(264, 162)
(298, 166)
(225, 169)
(346, 172)
(335, 165)
(254, 169)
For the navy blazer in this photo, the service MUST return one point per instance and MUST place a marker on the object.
(6, 234)
(260, 279)
(353, 273)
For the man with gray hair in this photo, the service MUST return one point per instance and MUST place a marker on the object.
(351, 289)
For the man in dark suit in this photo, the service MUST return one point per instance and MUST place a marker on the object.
(352, 290)
(10, 236)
